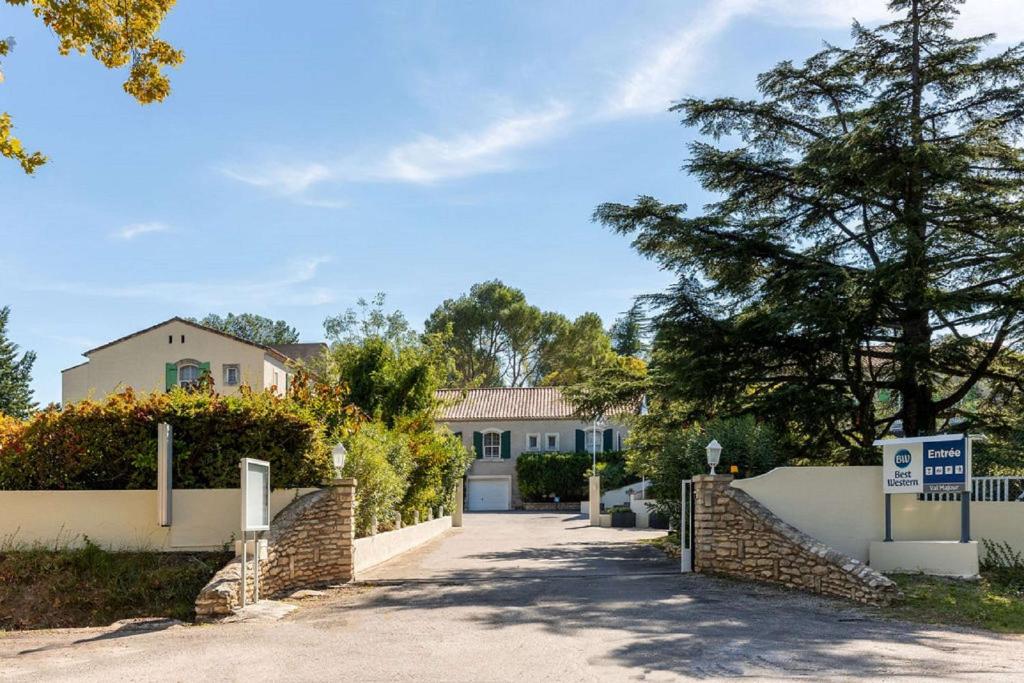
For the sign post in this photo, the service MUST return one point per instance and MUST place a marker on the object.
(255, 515)
(928, 464)
(164, 472)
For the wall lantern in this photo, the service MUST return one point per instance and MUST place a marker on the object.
(714, 451)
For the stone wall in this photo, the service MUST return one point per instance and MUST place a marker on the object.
(735, 534)
(309, 544)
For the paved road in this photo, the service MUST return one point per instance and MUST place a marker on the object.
(526, 597)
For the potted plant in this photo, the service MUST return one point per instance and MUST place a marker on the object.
(622, 517)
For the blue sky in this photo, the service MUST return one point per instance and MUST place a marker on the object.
(307, 158)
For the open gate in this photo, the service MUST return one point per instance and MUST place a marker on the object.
(686, 527)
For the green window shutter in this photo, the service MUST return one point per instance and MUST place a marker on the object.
(478, 444)
(170, 376)
(581, 441)
(506, 445)
(204, 369)
(609, 440)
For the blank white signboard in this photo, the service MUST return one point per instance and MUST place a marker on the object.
(255, 495)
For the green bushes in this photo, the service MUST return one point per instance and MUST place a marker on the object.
(409, 468)
(112, 444)
(666, 454)
(404, 463)
(565, 474)
(380, 461)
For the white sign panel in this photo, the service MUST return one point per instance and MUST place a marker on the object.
(902, 468)
(255, 495)
(927, 464)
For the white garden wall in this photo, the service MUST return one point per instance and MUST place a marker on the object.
(203, 519)
(372, 550)
(844, 508)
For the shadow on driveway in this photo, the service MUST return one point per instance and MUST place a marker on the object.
(648, 617)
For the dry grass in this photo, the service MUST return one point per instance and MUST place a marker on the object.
(90, 586)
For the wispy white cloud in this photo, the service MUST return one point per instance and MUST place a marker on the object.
(296, 286)
(289, 179)
(426, 159)
(431, 159)
(130, 232)
(663, 72)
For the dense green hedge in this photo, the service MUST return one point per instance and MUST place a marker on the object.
(565, 474)
(111, 444)
(409, 468)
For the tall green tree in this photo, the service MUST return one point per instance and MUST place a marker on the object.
(381, 365)
(576, 351)
(370, 319)
(15, 374)
(252, 327)
(495, 336)
(866, 242)
(627, 333)
(117, 34)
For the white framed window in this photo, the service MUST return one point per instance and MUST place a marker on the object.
(551, 442)
(188, 375)
(492, 445)
(533, 442)
(277, 379)
(232, 375)
(595, 440)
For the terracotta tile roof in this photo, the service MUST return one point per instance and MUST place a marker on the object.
(303, 351)
(524, 403)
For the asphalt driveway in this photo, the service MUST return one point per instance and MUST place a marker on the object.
(527, 597)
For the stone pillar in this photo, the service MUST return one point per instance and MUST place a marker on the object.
(459, 503)
(708, 498)
(343, 492)
(594, 506)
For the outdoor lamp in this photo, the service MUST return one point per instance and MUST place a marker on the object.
(338, 454)
(714, 451)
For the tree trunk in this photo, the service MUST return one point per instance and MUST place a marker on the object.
(914, 346)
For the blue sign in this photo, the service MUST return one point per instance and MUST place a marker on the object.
(945, 465)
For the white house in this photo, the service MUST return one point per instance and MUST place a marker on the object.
(499, 424)
(177, 352)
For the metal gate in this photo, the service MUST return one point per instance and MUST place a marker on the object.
(686, 527)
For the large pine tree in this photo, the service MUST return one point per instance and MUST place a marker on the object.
(15, 374)
(864, 261)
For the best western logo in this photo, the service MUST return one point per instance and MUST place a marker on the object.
(903, 458)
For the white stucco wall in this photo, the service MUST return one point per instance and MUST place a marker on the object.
(139, 362)
(203, 519)
(844, 507)
(370, 551)
(566, 430)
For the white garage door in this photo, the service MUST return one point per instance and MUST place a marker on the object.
(488, 494)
